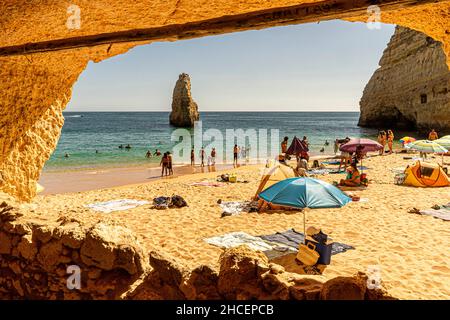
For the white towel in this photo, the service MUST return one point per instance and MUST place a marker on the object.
(115, 205)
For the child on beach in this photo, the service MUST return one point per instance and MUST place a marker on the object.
(202, 157)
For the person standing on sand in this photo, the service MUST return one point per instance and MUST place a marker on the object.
(336, 146)
(163, 164)
(169, 163)
(284, 145)
(202, 157)
(433, 135)
(235, 154)
(213, 156)
(390, 140)
(382, 141)
(192, 158)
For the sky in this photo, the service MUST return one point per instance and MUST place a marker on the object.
(308, 67)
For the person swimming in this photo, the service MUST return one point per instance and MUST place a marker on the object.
(148, 154)
(157, 153)
(66, 155)
(128, 146)
(327, 143)
(121, 146)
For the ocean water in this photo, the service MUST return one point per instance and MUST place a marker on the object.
(84, 133)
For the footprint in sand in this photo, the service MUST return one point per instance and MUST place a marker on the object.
(441, 268)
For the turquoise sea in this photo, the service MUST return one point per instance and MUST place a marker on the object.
(92, 138)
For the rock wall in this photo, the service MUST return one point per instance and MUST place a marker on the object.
(411, 89)
(34, 89)
(35, 256)
(184, 109)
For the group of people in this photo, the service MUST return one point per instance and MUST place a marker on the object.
(302, 156)
(202, 154)
(386, 138)
(149, 154)
(166, 164)
(238, 153)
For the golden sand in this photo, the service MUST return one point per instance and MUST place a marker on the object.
(412, 250)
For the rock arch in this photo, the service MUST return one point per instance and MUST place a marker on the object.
(41, 58)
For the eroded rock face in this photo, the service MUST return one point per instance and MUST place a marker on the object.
(184, 109)
(34, 259)
(411, 89)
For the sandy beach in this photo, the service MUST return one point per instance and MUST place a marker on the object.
(412, 250)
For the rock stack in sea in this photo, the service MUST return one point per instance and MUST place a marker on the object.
(184, 109)
(411, 89)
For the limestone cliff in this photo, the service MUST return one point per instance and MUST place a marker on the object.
(184, 109)
(411, 89)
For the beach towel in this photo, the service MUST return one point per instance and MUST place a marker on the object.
(236, 207)
(235, 239)
(292, 238)
(272, 245)
(115, 205)
(331, 162)
(162, 203)
(207, 184)
(325, 171)
(440, 212)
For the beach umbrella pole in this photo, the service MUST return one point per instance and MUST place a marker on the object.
(304, 227)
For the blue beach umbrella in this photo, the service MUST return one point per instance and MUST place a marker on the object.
(305, 193)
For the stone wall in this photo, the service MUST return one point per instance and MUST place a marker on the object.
(411, 89)
(34, 261)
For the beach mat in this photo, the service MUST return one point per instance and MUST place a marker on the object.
(273, 245)
(235, 239)
(331, 162)
(115, 205)
(292, 239)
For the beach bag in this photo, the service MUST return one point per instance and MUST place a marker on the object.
(322, 246)
(307, 254)
(399, 178)
(232, 178)
(161, 203)
(178, 201)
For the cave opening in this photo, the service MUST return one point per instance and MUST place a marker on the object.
(280, 74)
